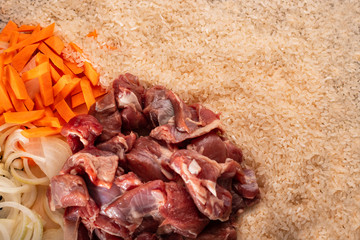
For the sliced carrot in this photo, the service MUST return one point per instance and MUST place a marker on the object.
(29, 104)
(58, 62)
(35, 37)
(67, 89)
(23, 117)
(18, 104)
(38, 102)
(65, 79)
(92, 34)
(13, 38)
(77, 100)
(87, 92)
(41, 58)
(40, 132)
(2, 120)
(98, 91)
(76, 47)
(76, 90)
(82, 109)
(1, 109)
(1, 66)
(49, 112)
(47, 122)
(4, 98)
(23, 36)
(26, 28)
(73, 67)
(55, 44)
(55, 76)
(64, 110)
(67, 71)
(46, 89)
(22, 57)
(37, 71)
(7, 30)
(16, 83)
(90, 73)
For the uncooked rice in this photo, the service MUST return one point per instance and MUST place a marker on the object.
(283, 74)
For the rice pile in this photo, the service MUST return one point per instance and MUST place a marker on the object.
(283, 74)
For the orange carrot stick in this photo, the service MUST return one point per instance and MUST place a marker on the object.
(55, 44)
(6, 32)
(16, 83)
(23, 117)
(40, 132)
(26, 28)
(46, 89)
(29, 104)
(58, 62)
(65, 79)
(4, 98)
(37, 71)
(64, 110)
(73, 67)
(87, 92)
(55, 76)
(22, 57)
(47, 122)
(90, 73)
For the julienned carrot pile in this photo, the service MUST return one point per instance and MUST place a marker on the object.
(39, 86)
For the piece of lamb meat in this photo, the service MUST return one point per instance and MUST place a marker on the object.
(150, 160)
(100, 166)
(67, 190)
(81, 131)
(200, 175)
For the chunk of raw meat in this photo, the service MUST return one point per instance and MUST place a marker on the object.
(149, 160)
(158, 107)
(106, 112)
(127, 182)
(81, 131)
(246, 184)
(218, 231)
(180, 213)
(128, 91)
(99, 165)
(200, 175)
(119, 144)
(67, 190)
(132, 119)
(198, 121)
(130, 208)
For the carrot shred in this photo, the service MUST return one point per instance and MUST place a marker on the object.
(41, 58)
(65, 79)
(2, 120)
(40, 132)
(46, 89)
(76, 90)
(18, 104)
(55, 76)
(67, 71)
(23, 56)
(87, 92)
(81, 109)
(13, 38)
(7, 30)
(76, 47)
(26, 28)
(78, 98)
(4, 98)
(37, 71)
(16, 83)
(55, 43)
(64, 110)
(48, 122)
(90, 73)
(49, 112)
(1, 109)
(67, 89)
(92, 34)
(29, 104)
(58, 62)
(38, 102)
(73, 67)
(23, 36)
(23, 117)
(35, 37)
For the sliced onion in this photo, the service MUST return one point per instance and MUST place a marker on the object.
(24, 178)
(37, 228)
